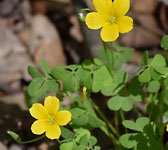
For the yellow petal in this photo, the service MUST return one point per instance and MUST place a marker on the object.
(95, 20)
(109, 32)
(125, 24)
(53, 132)
(51, 103)
(121, 7)
(38, 111)
(63, 117)
(39, 127)
(167, 127)
(103, 6)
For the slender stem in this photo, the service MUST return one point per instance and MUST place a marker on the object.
(112, 54)
(123, 118)
(161, 125)
(58, 141)
(105, 129)
(109, 134)
(31, 141)
(109, 65)
(104, 118)
(150, 115)
(69, 95)
(116, 120)
(138, 112)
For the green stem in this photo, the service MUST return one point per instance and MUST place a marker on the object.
(69, 95)
(105, 128)
(123, 118)
(31, 141)
(150, 115)
(112, 54)
(161, 125)
(109, 65)
(138, 112)
(109, 134)
(104, 118)
(116, 121)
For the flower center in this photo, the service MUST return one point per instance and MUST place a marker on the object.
(51, 119)
(112, 20)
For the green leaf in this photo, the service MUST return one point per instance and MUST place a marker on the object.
(121, 48)
(158, 60)
(94, 121)
(15, 136)
(29, 100)
(135, 90)
(66, 133)
(164, 42)
(144, 61)
(77, 112)
(66, 76)
(122, 57)
(72, 67)
(130, 125)
(154, 74)
(162, 70)
(52, 86)
(92, 141)
(153, 86)
(138, 125)
(118, 102)
(34, 72)
(120, 79)
(127, 141)
(97, 148)
(101, 77)
(84, 140)
(68, 146)
(145, 76)
(102, 55)
(37, 88)
(81, 147)
(85, 77)
(81, 120)
(81, 132)
(45, 67)
(98, 62)
(87, 64)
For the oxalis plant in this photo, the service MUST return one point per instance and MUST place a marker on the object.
(148, 85)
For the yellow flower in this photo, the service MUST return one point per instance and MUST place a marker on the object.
(167, 128)
(49, 118)
(110, 16)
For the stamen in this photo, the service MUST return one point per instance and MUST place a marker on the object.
(112, 20)
(51, 119)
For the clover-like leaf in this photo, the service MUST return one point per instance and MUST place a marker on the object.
(120, 102)
(138, 125)
(145, 76)
(158, 60)
(126, 140)
(101, 78)
(153, 86)
(164, 42)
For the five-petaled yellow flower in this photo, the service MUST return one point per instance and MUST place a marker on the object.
(110, 16)
(49, 118)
